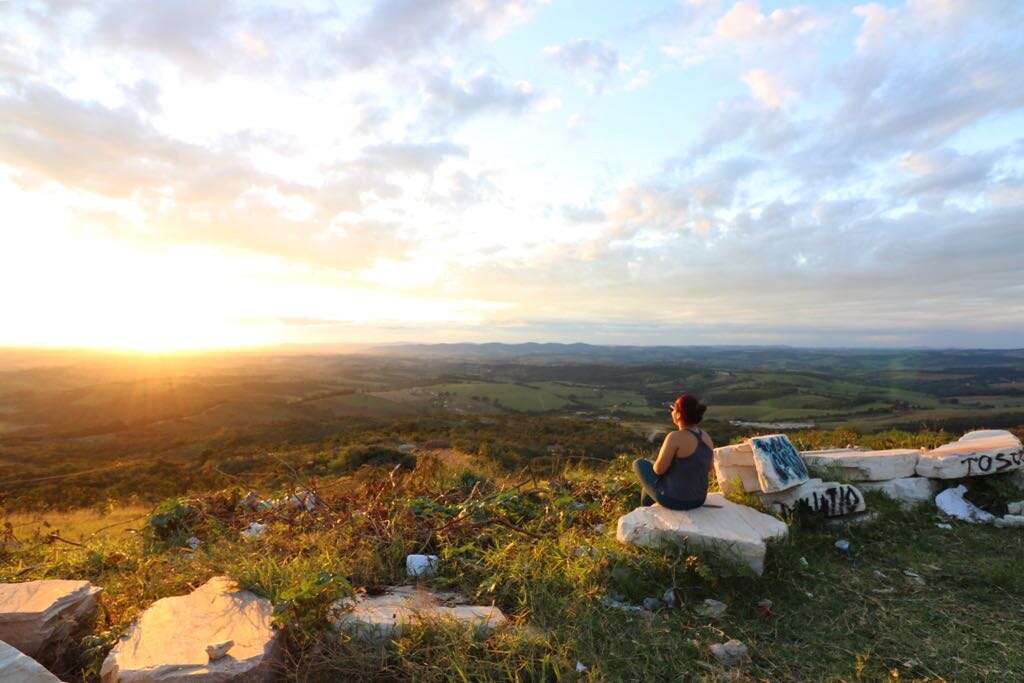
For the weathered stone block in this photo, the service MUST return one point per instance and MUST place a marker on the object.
(168, 643)
(830, 499)
(736, 464)
(737, 532)
(779, 466)
(36, 616)
(908, 491)
(973, 455)
(17, 667)
(862, 465)
(384, 616)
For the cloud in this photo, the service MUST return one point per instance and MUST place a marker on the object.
(745, 23)
(397, 30)
(451, 99)
(593, 62)
(768, 88)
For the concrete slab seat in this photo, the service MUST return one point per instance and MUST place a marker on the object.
(17, 667)
(975, 454)
(384, 616)
(736, 532)
(168, 642)
(864, 465)
(37, 617)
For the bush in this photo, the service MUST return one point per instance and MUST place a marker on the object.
(352, 458)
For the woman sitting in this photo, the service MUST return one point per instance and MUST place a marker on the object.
(678, 479)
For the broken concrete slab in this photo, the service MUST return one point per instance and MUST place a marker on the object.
(830, 499)
(169, 642)
(864, 465)
(737, 532)
(973, 456)
(734, 469)
(36, 617)
(779, 466)
(386, 615)
(17, 667)
(907, 491)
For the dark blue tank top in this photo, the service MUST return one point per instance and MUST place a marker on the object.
(687, 478)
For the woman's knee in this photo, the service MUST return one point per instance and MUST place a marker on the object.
(641, 465)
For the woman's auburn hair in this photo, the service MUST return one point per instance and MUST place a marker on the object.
(690, 407)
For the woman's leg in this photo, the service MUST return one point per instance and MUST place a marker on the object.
(644, 470)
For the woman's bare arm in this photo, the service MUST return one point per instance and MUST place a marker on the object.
(669, 447)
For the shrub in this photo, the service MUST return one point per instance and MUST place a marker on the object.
(352, 458)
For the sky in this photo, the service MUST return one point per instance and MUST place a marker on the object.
(188, 175)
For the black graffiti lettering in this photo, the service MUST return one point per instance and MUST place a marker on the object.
(1017, 457)
(970, 463)
(1003, 461)
(985, 463)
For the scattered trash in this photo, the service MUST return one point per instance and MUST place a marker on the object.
(670, 598)
(713, 608)
(250, 501)
(255, 530)
(580, 667)
(217, 651)
(764, 608)
(952, 502)
(421, 566)
(305, 500)
(803, 562)
(943, 525)
(652, 604)
(609, 601)
(843, 546)
(732, 653)
(193, 542)
(878, 574)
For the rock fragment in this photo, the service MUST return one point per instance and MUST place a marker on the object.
(713, 608)
(37, 617)
(907, 491)
(17, 667)
(730, 654)
(384, 616)
(170, 642)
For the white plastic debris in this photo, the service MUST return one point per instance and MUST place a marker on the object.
(580, 667)
(947, 527)
(254, 530)
(421, 566)
(193, 542)
(952, 502)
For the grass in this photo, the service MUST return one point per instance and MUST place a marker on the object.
(543, 549)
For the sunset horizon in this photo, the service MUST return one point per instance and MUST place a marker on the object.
(229, 176)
